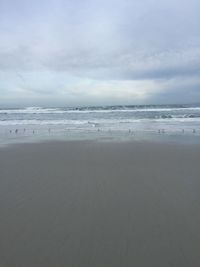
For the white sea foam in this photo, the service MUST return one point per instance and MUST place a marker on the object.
(99, 122)
(42, 122)
(31, 110)
(41, 110)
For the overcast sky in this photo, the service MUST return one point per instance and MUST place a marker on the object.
(94, 52)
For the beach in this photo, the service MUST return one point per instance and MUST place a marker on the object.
(100, 204)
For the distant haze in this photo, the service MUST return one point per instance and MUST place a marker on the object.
(66, 53)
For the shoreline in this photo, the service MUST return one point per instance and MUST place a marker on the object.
(109, 136)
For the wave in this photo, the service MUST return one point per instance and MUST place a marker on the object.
(100, 109)
(31, 110)
(42, 122)
(132, 110)
(98, 122)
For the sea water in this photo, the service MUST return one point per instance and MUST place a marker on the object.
(138, 122)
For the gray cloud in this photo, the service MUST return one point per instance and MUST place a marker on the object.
(180, 90)
(58, 46)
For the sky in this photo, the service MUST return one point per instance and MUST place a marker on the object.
(99, 52)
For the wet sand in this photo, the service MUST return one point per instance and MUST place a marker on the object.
(82, 204)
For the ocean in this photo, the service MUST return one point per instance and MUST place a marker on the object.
(139, 122)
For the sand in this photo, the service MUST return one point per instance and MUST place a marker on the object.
(82, 204)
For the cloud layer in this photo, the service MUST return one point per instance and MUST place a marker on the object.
(99, 52)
